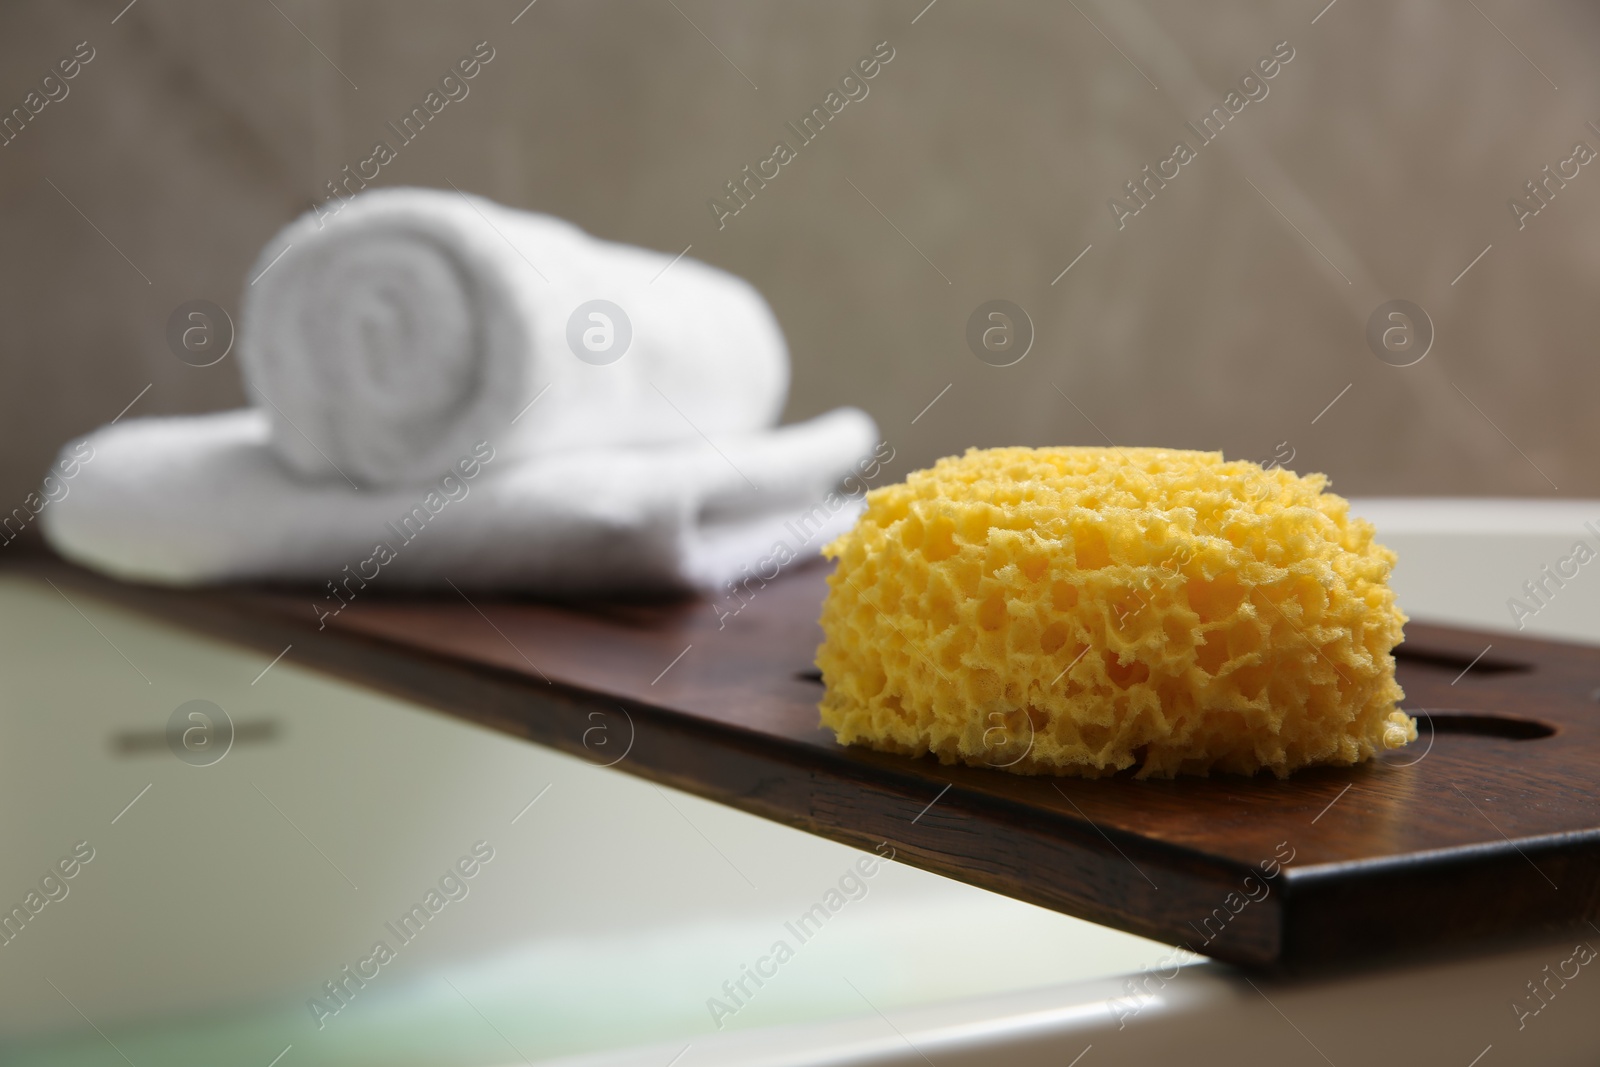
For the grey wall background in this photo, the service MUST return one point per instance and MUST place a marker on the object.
(1227, 314)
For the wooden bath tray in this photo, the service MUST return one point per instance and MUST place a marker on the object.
(1489, 832)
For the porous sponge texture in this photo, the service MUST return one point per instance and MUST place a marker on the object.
(1084, 610)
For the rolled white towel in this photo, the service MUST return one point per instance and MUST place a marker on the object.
(384, 341)
(203, 499)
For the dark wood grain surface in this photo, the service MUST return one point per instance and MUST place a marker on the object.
(1487, 828)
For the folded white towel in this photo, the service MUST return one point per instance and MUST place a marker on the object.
(203, 499)
(384, 341)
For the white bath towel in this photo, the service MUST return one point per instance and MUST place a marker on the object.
(203, 499)
(382, 341)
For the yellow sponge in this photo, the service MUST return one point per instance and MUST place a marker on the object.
(1084, 610)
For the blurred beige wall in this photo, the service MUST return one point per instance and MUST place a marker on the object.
(1227, 314)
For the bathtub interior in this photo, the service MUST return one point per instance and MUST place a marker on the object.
(217, 905)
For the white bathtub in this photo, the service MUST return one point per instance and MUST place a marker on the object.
(613, 911)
